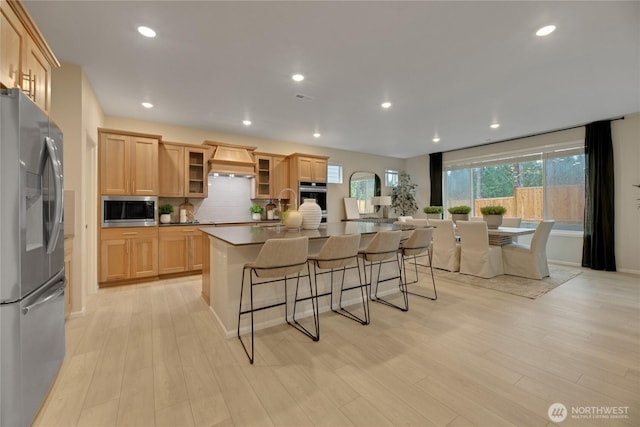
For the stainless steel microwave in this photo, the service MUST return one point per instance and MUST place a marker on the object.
(129, 211)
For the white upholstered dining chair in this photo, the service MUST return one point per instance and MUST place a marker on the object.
(445, 250)
(477, 258)
(511, 221)
(529, 261)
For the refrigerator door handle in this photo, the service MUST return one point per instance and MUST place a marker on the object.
(44, 298)
(59, 203)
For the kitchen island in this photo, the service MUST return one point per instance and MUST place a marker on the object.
(231, 247)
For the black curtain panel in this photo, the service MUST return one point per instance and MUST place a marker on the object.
(435, 174)
(598, 250)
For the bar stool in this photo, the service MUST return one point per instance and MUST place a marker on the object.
(418, 245)
(383, 249)
(278, 259)
(340, 253)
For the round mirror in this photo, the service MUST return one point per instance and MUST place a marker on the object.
(363, 186)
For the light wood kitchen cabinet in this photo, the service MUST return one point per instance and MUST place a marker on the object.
(182, 170)
(128, 253)
(272, 175)
(309, 168)
(25, 58)
(128, 163)
(180, 249)
(171, 170)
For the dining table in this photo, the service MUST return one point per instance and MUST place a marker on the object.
(504, 235)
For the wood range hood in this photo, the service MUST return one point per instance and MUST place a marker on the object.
(231, 159)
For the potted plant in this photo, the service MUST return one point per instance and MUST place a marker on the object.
(403, 197)
(434, 212)
(459, 213)
(256, 210)
(493, 215)
(165, 212)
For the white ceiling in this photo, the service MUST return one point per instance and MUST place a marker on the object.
(449, 68)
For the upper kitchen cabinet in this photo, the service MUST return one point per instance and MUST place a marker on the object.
(308, 167)
(25, 59)
(128, 163)
(182, 170)
(272, 175)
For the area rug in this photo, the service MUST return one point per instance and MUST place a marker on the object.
(520, 286)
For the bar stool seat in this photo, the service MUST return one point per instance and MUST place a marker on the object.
(383, 249)
(277, 261)
(418, 245)
(340, 253)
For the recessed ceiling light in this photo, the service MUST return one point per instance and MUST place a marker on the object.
(495, 126)
(297, 77)
(147, 105)
(246, 122)
(545, 31)
(146, 31)
(385, 105)
(436, 139)
(316, 135)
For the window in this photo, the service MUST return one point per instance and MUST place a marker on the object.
(334, 174)
(390, 178)
(548, 184)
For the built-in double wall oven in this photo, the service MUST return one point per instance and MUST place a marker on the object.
(129, 211)
(317, 191)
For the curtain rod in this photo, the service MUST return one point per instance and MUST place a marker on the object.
(535, 134)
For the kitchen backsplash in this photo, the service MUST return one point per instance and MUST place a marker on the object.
(229, 200)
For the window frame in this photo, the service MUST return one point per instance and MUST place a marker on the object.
(473, 160)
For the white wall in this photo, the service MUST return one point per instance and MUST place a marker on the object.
(76, 111)
(626, 153)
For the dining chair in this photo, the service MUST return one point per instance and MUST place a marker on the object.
(340, 254)
(529, 260)
(445, 251)
(279, 260)
(418, 245)
(477, 258)
(511, 221)
(383, 249)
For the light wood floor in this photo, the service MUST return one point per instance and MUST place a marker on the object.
(152, 354)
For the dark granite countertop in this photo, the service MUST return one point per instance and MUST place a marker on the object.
(210, 223)
(248, 235)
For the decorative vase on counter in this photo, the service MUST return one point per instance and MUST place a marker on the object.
(255, 216)
(311, 214)
(293, 220)
(165, 218)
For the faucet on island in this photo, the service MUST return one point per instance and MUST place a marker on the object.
(295, 198)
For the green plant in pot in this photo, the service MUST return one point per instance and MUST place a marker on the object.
(256, 210)
(165, 212)
(492, 215)
(459, 213)
(434, 212)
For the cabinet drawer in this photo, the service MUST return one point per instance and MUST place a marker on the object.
(128, 233)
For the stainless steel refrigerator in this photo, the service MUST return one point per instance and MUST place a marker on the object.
(32, 283)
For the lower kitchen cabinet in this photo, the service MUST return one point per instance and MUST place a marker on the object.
(180, 249)
(128, 253)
